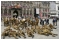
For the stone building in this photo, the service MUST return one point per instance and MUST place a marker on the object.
(57, 7)
(24, 8)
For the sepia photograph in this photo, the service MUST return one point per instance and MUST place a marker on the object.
(29, 19)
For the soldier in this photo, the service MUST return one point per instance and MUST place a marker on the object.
(36, 21)
(6, 22)
(6, 32)
(23, 23)
(29, 33)
(38, 29)
(33, 21)
(21, 33)
(47, 27)
(27, 20)
(11, 21)
(15, 26)
(13, 34)
(33, 29)
(51, 26)
(47, 32)
(18, 34)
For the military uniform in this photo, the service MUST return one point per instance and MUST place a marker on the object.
(21, 33)
(29, 33)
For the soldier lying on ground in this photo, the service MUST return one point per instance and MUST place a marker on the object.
(12, 33)
(47, 32)
(44, 31)
(38, 29)
(29, 32)
(47, 27)
(51, 26)
(21, 33)
(33, 29)
(6, 32)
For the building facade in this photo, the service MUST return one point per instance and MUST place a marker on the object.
(54, 7)
(57, 7)
(24, 8)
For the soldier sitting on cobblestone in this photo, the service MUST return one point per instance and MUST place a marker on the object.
(6, 22)
(15, 26)
(33, 29)
(36, 21)
(17, 22)
(23, 23)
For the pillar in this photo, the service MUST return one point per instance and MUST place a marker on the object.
(32, 13)
(3, 11)
(11, 13)
(29, 13)
(7, 12)
(22, 11)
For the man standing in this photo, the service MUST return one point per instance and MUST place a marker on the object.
(54, 21)
(42, 22)
(47, 21)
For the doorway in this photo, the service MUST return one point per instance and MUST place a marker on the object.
(15, 14)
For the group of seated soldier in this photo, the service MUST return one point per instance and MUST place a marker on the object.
(23, 22)
(18, 32)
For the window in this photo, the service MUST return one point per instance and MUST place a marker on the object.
(9, 12)
(43, 14)
(53, 14)
(43, 10)
(48, 5)
(5, 11)
(24, 12)
(58, 7)
(48, 10)
(1, 11)
(30, 12)
(27, 12)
